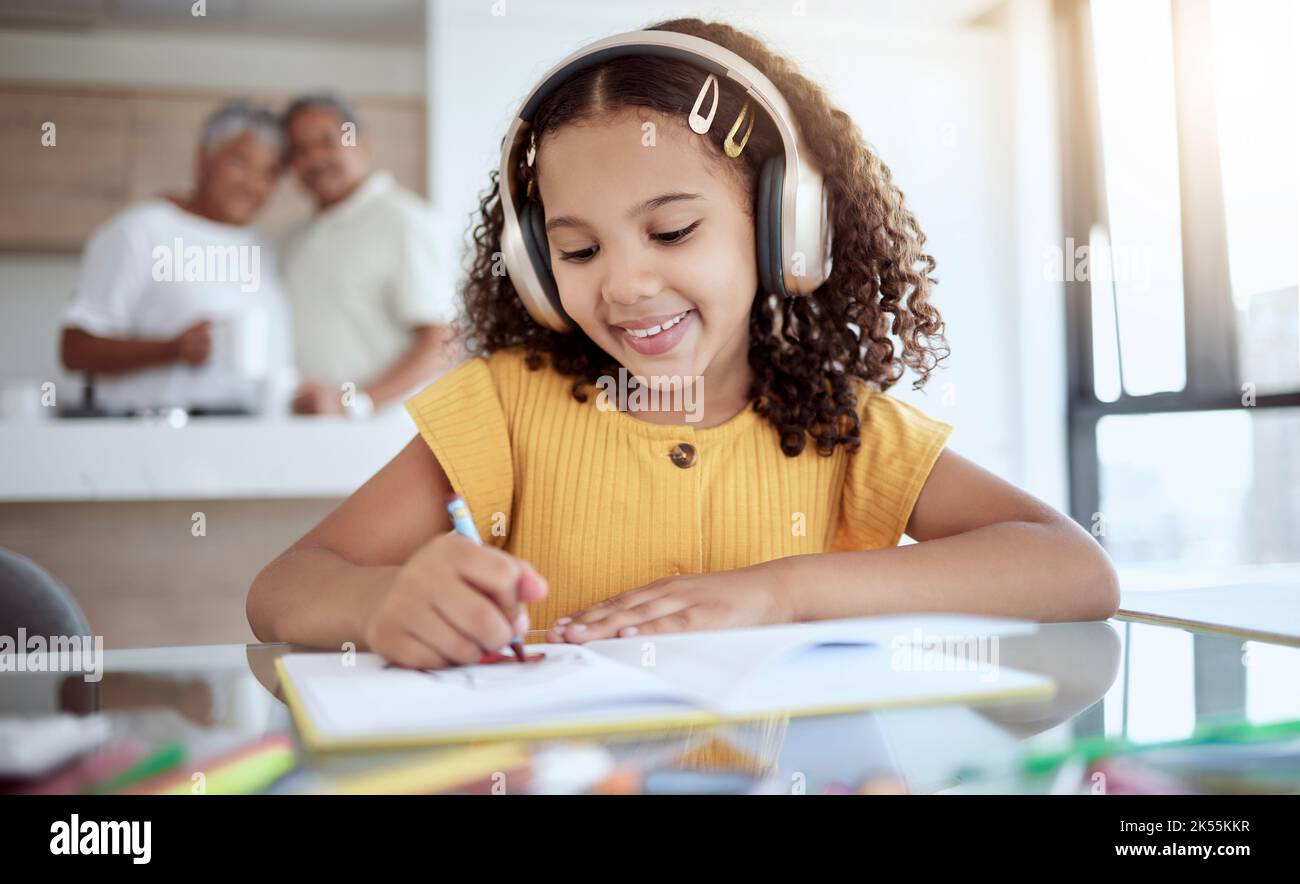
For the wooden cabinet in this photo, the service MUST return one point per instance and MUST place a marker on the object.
(113, 147)
(48, 194)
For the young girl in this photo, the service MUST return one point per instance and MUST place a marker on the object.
(778, 493)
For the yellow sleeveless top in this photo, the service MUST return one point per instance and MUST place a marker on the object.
(601, 502)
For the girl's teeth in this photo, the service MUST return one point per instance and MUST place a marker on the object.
(656, 329)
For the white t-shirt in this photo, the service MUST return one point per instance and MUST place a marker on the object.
(153, 270)
(360, 276)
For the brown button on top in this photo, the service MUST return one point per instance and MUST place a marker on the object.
(683, 455)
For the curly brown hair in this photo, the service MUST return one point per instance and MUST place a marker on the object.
(804, 351)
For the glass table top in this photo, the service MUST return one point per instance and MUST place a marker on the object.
(1117, 679)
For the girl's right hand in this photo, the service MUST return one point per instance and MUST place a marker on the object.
(452, 602)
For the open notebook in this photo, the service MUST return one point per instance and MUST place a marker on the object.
(658, 681)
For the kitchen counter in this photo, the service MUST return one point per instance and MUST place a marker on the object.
(64, 459)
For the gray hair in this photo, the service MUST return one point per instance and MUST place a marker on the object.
(234, 118)
(321, 101)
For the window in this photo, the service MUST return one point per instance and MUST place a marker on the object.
(1137, 259)
(1180, 156)
(1202, 488)
(1256, 98)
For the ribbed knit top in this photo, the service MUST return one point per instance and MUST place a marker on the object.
(601, 501)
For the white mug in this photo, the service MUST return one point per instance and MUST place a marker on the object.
(20, 400)
(241, 341)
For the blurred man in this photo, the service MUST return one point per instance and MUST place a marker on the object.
(178, 302)
(371, 309)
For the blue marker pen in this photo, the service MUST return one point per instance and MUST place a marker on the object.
(463, 524)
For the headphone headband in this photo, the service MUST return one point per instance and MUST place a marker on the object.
(791, 210)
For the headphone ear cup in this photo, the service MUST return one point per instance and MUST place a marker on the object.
(767, 226)
(532, 228)
(534, 225)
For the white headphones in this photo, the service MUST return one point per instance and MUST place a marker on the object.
(791, 214)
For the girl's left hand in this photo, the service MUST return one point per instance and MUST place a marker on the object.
(745, 597)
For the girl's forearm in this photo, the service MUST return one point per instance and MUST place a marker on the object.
(1039, 571)
(316, 597)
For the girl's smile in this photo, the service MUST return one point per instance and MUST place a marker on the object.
(655, 335)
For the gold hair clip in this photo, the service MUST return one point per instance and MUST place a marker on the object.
(729, 145)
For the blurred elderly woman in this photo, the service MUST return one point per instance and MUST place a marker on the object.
(178, 302)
